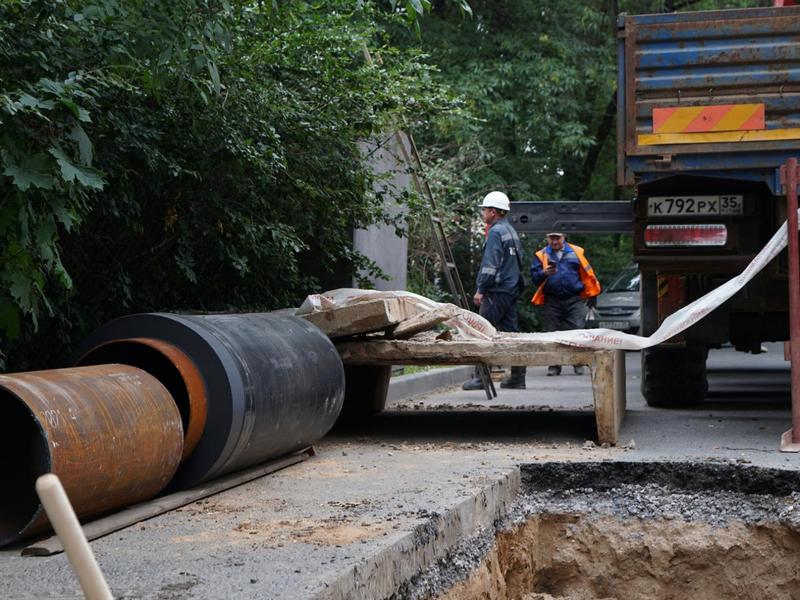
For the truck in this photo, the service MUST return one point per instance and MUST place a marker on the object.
(708, 112)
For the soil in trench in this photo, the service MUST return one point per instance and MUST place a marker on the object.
(646, 540)
(570, 557)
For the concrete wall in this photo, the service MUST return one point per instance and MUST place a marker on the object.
(381, 243)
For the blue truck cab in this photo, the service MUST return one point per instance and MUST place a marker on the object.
(708, 112)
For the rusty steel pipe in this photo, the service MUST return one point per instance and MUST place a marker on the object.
(171, 367)
(274, 384)
(111, 433)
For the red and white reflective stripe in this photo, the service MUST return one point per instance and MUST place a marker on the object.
(685, 235)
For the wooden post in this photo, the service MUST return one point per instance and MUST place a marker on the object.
(365, 390)
(608, 387)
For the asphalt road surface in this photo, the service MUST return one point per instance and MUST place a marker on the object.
(747, 409)
(384, 496)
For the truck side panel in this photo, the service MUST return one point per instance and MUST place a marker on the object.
(731, 57)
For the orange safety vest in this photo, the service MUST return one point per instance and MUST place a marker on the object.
(591, 286)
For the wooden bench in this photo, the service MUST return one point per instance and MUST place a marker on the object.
(368, 368)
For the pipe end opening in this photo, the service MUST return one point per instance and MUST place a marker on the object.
(24, 457)
(172, 367)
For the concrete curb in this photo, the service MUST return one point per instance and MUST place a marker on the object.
(381, 575)
(426, 382)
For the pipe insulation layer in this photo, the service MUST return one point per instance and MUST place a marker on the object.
(111, 433)
(271, 384)
(173, 368)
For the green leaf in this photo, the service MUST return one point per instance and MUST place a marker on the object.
(80, 113)
(32, 102)
(86, 176)
(416, 5)
(21, 289)
(165, 56)
(62, 274)
(212, 70)
(45, 240)
(29, 101)
(93, 12)
(84, 144)
(54, 87)
(33, 170)
(65, 216)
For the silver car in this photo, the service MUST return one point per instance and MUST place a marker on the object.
(618, 304)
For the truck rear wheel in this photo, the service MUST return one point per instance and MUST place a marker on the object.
(674, 377)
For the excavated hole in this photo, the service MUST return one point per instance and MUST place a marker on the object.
(635, 531)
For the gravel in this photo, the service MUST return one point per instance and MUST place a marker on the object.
(446, 572)
(713, 492)
(654, 501)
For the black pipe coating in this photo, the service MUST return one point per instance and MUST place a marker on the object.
(274, 384)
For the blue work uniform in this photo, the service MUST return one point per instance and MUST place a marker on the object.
(564, 308)
(500, 276)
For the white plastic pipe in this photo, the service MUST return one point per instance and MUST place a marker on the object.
(65, 523)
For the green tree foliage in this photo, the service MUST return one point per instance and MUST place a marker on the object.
(184, 155)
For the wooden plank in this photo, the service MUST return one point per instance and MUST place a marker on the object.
(467, 352)
(425, 321)
(363, 317)
(608, 386)
(620, 391)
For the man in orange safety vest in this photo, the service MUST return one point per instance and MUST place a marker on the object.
(565, 284)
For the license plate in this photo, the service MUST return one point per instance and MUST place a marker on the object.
(613, 324)
(689, 206)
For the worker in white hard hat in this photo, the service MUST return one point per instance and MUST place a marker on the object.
(500, 281)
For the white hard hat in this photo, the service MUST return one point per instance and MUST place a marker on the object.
(496, 200)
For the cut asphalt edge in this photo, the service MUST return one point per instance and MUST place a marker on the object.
(393, 569)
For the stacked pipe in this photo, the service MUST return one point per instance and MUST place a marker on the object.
(163, 402)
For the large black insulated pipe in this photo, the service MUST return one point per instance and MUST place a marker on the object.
(272, 384)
